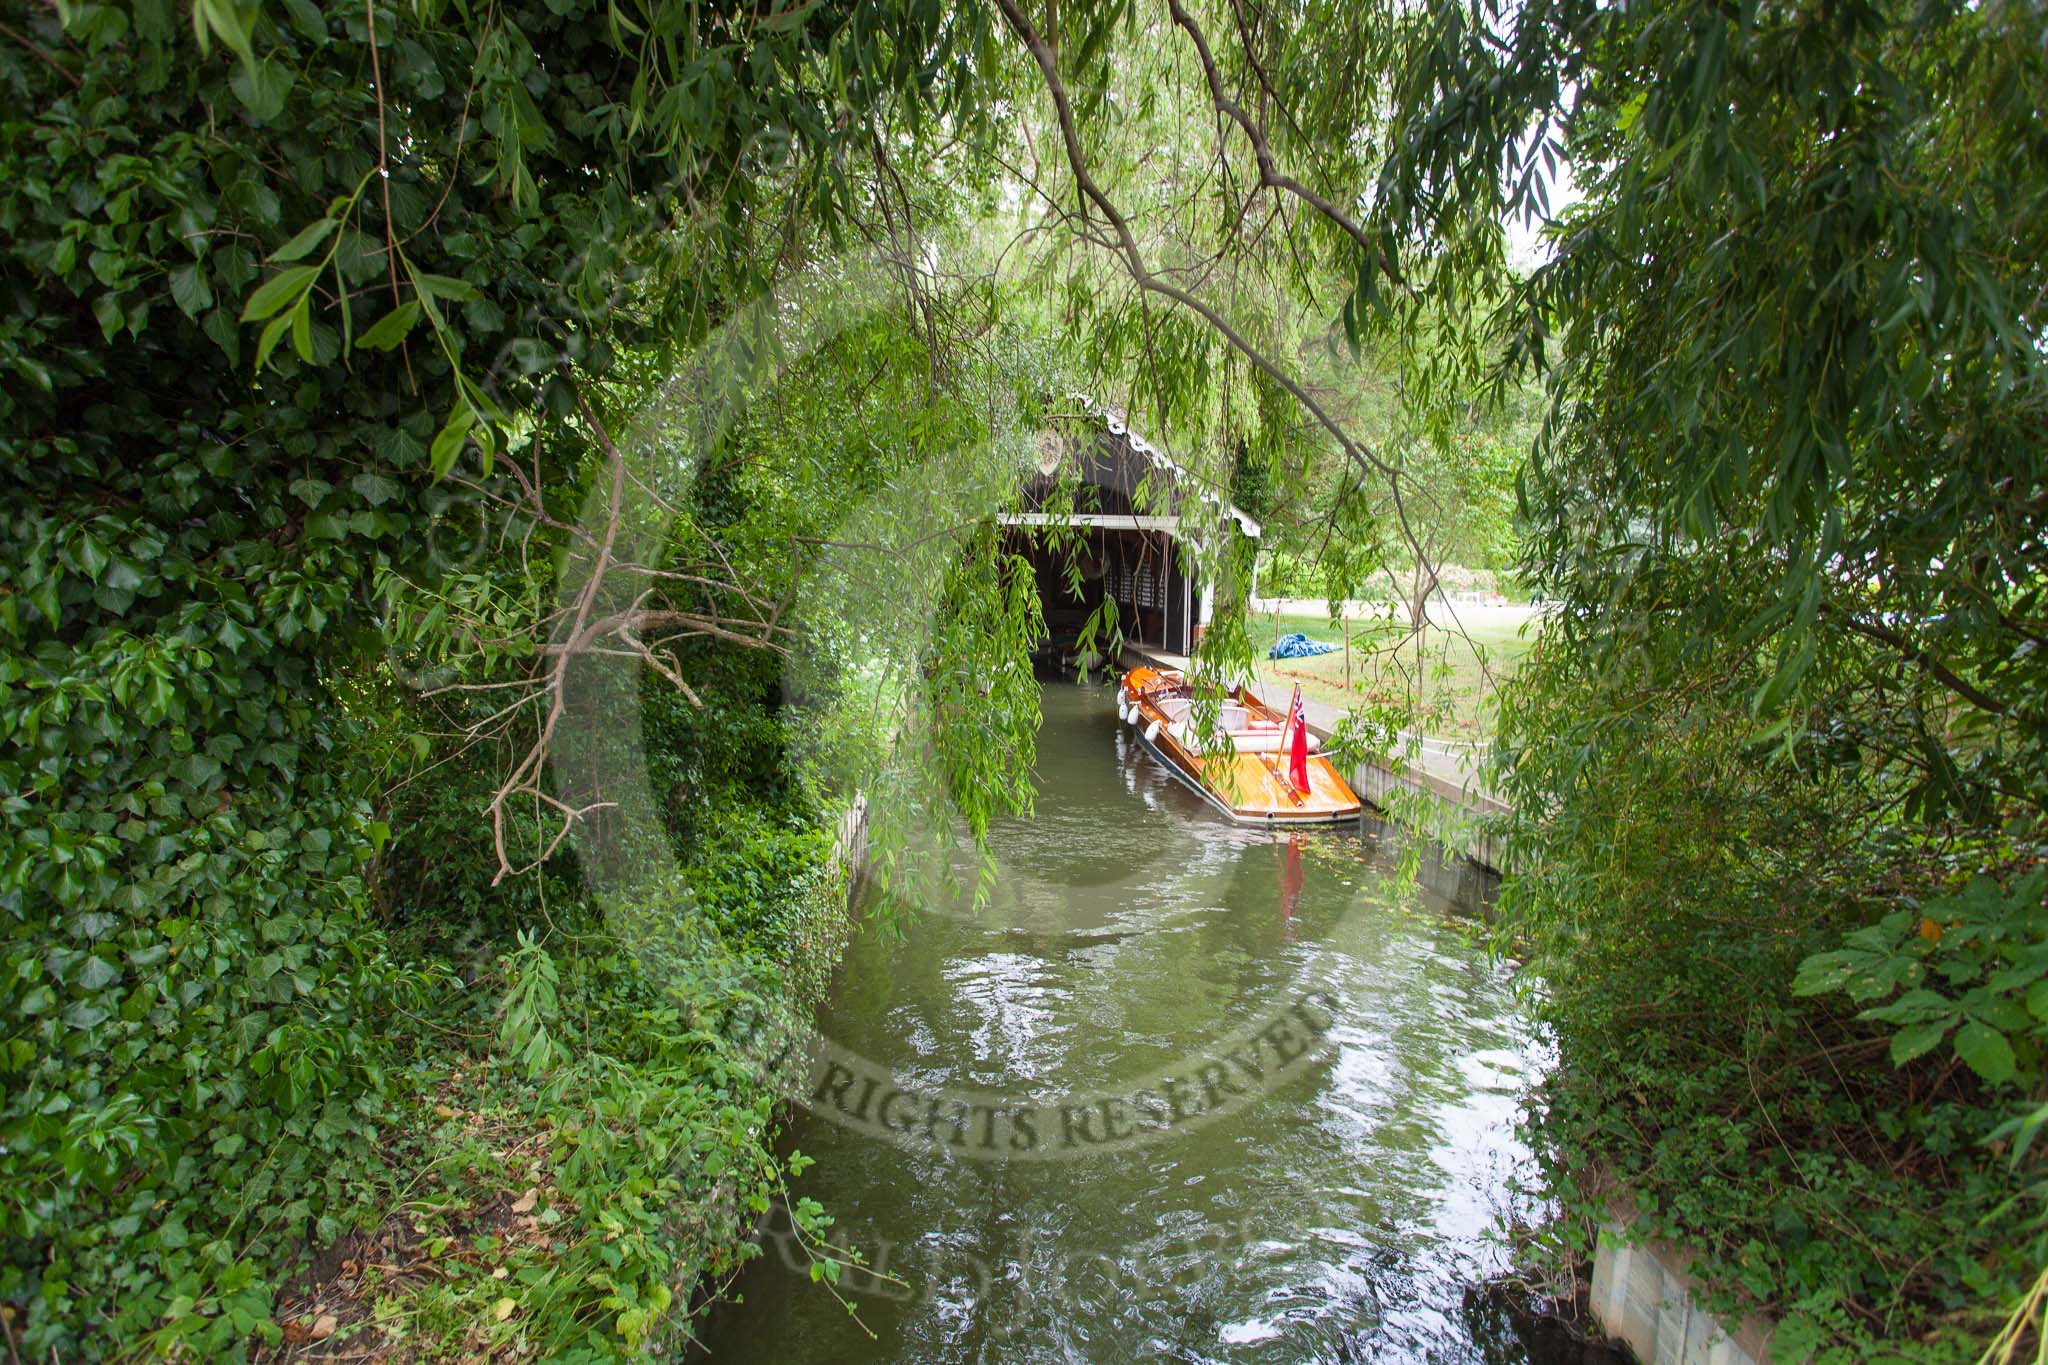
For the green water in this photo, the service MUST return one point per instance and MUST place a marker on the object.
(1336, 1208)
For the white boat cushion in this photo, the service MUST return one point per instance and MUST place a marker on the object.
(1244, 742)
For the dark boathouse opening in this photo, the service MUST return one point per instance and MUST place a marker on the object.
(1139, 517)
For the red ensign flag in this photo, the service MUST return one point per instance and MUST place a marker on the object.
(1297, 759)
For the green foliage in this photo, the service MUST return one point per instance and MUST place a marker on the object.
(531, 1009)
(755, 881)
(1679, 888)
(1251, 485)
(459, 219)
(272, 274)
(1787, 496)
(612, 1030)
(1973, 964)
(1849, 429)
(661, 1125)
(574, 1178)
(188, 987)
(979, 687)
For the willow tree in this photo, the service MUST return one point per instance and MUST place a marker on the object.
(1197, 182)
(1790, 497)
(1789, 494)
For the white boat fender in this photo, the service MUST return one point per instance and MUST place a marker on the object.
(1152, 732)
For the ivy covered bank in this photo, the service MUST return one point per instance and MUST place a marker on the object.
(313, 320)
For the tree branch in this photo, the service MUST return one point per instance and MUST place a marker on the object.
(1147, 280)
(1270, 174)
(584, 634)
(1918, 654)
(45, 58)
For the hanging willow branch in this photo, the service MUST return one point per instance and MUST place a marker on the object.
(1403, 492)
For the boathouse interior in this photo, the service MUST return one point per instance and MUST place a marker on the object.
(1134, 509)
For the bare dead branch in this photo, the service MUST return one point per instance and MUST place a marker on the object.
(582, 630)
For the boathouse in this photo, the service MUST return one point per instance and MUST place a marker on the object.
(1142, 513)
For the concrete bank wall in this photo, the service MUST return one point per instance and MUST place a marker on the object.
(1436, 805)
(850, 842)
(1642, 1296)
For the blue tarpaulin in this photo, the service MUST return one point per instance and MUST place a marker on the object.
(1298, 646)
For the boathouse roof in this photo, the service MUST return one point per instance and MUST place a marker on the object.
(1116, 464)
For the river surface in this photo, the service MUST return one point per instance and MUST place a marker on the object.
(1335, 1201)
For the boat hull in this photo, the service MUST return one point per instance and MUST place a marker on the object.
(1249, 787)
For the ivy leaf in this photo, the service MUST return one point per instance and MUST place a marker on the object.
(374, 489)
(44, 597)
(220, 328)
(277, 291)
(84, 1016)
(237, 266)
(1986, 1051)
(90, 557)
(107, 309)
(190, 289)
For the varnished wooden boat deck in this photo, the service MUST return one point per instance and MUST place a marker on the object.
(1250, 788)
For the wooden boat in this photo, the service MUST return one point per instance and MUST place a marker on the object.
(1242, 768)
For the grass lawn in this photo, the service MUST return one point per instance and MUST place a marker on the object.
(1454, 691)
